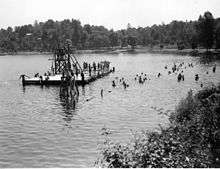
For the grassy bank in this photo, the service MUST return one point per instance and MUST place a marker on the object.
(191, 52)
(156, 50)
(25, 53)
(191, 140)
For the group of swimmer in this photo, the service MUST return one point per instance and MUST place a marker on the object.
(122, 81)
(180, 77)
(176, 68)
(141, 78)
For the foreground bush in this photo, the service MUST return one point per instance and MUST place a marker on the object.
(191, 140)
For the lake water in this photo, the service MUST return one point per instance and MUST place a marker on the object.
(38, 129)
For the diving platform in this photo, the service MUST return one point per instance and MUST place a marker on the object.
(57, 78)
(66, 70)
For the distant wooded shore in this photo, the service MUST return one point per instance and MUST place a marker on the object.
(156, 50)
(46, 36)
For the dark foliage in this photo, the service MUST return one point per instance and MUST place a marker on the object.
(132, 41)
(205, 28)
(45, 36)
(191, 139)
(217, 37)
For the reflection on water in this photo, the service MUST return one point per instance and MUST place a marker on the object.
(69, 105)
(40, 128)
(23, 89)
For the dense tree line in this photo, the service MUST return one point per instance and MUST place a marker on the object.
(45, 36)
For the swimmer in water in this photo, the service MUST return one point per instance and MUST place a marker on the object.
(102, 93)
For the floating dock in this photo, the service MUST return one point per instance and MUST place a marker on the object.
(57, 79)
(66, 70)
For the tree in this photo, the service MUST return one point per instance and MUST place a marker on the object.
(132, 41)
(87, 28)
(217, 36)
(77, 29)
(113, 37)
(98, 40)
(205, 28)
(194, 41)
(128, 26)
(83, 39)
(45, 36)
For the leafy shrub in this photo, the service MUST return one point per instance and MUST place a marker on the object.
(189, 140)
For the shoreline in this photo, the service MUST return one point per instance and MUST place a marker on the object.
(191, 52)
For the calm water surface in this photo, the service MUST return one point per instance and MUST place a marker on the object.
(38, 129)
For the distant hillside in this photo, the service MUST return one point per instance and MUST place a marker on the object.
(44, 36)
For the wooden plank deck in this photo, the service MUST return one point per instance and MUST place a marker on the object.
(56, 79)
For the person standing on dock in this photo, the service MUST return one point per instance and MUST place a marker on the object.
(82, 76)
(41, 79)
(36, 75)
(94, 66)
(23, 79)
(84, 65)
(90, 70)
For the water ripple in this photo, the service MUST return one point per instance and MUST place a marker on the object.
(39, 129)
